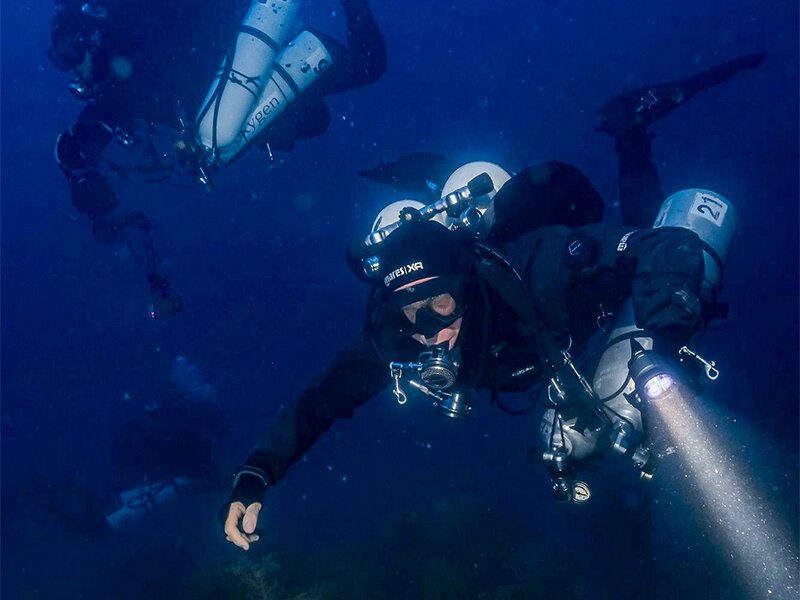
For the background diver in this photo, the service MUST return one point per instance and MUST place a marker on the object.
(165, 449)
(117, 50)
(93, 196)
(450, 314)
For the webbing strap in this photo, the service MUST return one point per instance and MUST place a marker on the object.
(715, 257)
(260, 35)
(288, 78)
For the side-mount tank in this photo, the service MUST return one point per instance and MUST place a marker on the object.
(713, 218)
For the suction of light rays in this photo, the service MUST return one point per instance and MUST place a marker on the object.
(755, 539)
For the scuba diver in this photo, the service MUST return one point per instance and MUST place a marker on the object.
(136, 76)
(93, 196)
(509, 284)
(117, 51)
(166, 450)
(270, 88)
(163, 452)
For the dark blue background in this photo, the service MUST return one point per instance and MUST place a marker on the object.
(268, 298)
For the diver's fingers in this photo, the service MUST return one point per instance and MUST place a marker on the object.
(251, 518)
(232, 533)
(250, 538)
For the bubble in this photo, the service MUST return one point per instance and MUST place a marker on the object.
(121, 67)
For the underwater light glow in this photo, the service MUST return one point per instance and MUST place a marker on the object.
(657, 386)
(756, 540)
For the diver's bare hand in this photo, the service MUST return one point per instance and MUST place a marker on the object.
(249, 518)
(244, 505)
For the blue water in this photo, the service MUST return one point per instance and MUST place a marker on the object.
(386, 498)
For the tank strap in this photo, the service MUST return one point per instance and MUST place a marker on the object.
(501, 276)
(287, 78)
(258, 34)
(715, 257)
(492, 266)
(636, 333)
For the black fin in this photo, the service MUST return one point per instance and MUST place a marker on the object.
(415, 172)
(642, 106)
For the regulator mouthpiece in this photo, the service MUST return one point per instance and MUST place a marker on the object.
(433, 375)
(437, 371)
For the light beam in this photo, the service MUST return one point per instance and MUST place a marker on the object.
(755, 538)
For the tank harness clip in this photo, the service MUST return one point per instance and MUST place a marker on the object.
(709, 366)
(603, 318)
(441, 398)
(396, 372)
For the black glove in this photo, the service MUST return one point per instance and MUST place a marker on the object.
(249, 485)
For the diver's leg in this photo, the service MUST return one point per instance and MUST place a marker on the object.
(363, 59)
(140, 243)
(627, 117)
(640, 194)
(365, 41)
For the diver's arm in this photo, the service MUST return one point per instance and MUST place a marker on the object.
(354, 376)
(662, 268)
(667, 276)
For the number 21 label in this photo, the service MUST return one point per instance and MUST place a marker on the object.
(709, 207)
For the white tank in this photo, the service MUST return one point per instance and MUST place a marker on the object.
(464, 174)
(140, 502)
(264, 31)
(712, 218)
(296, 68)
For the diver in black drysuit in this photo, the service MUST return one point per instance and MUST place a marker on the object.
(131, 69)
(436, 288)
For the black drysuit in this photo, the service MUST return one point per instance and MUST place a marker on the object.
(574, 275)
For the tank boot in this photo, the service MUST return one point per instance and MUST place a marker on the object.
(643, 106)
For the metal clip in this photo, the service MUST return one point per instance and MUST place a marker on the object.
(709, 366)
(603, 318)
(396, 373)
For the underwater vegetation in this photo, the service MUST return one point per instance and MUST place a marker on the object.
(458, 549)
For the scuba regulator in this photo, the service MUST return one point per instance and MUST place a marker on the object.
(435, 374)
(435, 371)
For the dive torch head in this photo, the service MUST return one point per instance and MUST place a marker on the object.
(650, 373)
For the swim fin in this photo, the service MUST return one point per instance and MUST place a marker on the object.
(643, 106)
(423, 172)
